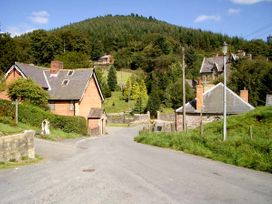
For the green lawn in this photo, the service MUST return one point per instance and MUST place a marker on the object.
(122, 75)
(116, 104)
(56, 134)
(239, 149)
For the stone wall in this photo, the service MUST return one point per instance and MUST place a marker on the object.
(166, 116)
(127, 118)
(193, 120)
(15, 147)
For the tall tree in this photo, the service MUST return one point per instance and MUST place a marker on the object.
(28, 91)
(112, 78)
(7, 52)
(154, 101)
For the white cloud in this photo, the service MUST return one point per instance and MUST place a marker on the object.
(233, 12)
(202, 18)
(39, 17)
(19, 30)
(248, 2)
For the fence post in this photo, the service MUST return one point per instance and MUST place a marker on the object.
(250, 131)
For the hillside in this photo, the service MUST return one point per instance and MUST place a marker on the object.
(139, 43)
(240, 149)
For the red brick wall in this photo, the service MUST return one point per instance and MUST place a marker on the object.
(91, 99)
(62, 108)
(12, 76)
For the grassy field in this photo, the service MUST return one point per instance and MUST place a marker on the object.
(122, 75)
(116, 104)
(240, 148)
(55, 135)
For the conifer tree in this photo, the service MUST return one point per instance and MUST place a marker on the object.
(154, 101)
(112, 78)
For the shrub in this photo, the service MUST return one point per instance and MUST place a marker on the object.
(68, 124)
(33, 115)
(29, 91)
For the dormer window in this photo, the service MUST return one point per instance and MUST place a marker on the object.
(65, 82)
(70, 73)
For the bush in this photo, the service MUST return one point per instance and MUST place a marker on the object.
(27, 90)
(33, 115)
(68, 124)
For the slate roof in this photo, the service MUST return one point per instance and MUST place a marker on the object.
(76, 84)
(33, 72)
(213, 62)
(213, 102)
(95, 113)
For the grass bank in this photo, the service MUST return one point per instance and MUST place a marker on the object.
(23, 162)
(55, 134)
(240, 148)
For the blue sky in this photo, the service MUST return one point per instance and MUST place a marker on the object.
(244, 18)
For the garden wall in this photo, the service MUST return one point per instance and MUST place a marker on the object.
(16, 147)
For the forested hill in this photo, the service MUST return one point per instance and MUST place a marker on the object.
(135, 41)
(116, 32)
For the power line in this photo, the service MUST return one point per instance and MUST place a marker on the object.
(259, 30)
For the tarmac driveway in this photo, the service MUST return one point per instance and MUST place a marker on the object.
(115, 169)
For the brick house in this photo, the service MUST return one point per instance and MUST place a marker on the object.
(71, 92)
(211, 105)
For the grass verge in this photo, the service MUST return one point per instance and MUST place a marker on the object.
(56, 134)
(23, 162)
(240, 148)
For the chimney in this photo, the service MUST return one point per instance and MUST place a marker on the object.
(244, 95)
(199, 96)
(55, 66)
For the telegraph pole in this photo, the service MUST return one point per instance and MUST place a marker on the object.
(184, 91)
(225, 51)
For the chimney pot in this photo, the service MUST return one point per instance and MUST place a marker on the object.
(199, 96)
(244, 95)
(55, 66)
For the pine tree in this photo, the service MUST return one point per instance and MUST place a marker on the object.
(154, 101)
(112, 78)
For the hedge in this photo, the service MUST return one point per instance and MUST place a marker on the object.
(33, 115)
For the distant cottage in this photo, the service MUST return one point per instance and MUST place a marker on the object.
(211, 105)
(105, 60)
(213, 67)
(72, 92)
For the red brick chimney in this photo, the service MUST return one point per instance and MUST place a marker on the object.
(199, 95)
(244, 95)
(55, 66)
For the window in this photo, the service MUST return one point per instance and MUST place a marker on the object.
(70, 73)
(51, 106)
(72, 106)
(65, 82)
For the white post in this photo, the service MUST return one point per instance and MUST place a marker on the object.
(16, 113)
(225, 91)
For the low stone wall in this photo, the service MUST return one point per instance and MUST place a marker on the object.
(127, 118)
(193, 120)
(15, 147)
(167, 117)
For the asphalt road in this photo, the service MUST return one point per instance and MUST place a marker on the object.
(115, 169)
